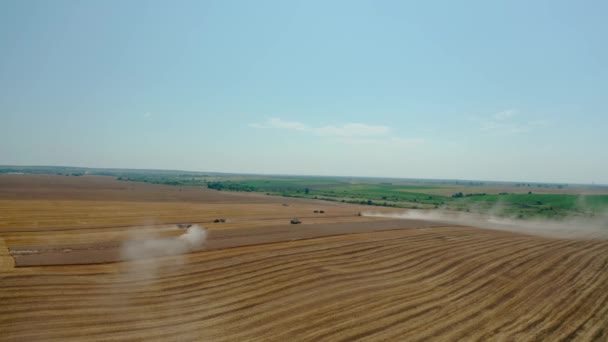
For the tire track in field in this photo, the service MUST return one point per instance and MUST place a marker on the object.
(6, 260)
(535, 316)
(468, 288)
(439, 284)
(392, 298)
(228, 295)
(518, 293)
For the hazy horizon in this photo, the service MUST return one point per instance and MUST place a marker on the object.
(308, 175)
(503, 91)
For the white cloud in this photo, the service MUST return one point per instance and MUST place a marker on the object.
(349, 133)
(539, 123)
(504, 122)
(352, 130)
(505, 114)
(392, 141)
(503, 127)
(298, 126)
(345, 130)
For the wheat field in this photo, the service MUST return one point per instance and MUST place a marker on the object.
(440, 283)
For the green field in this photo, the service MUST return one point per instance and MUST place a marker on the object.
(518, 200)
(417, 197)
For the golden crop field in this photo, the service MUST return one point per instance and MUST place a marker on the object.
(335, 277)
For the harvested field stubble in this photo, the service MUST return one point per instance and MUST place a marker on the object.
(431, 283)
(92, 253)
(407, 284)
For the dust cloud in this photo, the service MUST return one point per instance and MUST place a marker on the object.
(570, 227)
(193, 240)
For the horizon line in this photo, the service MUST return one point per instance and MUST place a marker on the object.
(592, 184)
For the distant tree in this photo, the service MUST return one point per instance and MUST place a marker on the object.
(306, 190)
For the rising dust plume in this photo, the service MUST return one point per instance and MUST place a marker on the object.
(573, 227)
(193, 240)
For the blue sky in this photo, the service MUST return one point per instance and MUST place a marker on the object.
(494, 90)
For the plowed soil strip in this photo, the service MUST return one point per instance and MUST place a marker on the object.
(105, 252)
